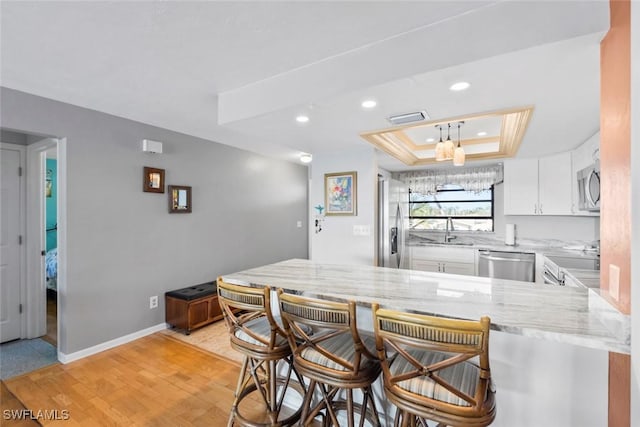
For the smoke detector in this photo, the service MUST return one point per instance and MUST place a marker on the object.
(401, 119)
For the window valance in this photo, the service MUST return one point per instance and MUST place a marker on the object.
(470, 179)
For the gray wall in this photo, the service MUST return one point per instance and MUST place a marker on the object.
(123, 246)
(13, 137)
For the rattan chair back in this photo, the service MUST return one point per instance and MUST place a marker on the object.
(242, 306)
(398, 334)
(312, 324)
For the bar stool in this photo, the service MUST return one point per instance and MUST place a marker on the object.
(254, 332)
(334, 358)
(430, 375)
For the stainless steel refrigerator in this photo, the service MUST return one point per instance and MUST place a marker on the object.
(393, 223)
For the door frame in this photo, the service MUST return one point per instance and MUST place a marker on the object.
(23, 230)
(36, 290)
(36, 311)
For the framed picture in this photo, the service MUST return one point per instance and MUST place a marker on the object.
(340, 193)
(179, 199)
(153, 180)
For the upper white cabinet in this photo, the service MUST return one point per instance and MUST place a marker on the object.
(555, 185)
(521, 187)
(538, 186)
(583, 156)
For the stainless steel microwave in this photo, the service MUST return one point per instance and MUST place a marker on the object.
(589, 188)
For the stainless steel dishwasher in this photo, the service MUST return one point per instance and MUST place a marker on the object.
(507, 265)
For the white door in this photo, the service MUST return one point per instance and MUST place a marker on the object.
(10, 312)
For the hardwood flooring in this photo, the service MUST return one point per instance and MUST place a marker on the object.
(154, 381)
(8, 402)
(52, 318)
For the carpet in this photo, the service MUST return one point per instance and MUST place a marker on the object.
(22, 356)
(213, 338)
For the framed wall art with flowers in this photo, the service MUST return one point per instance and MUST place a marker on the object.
(340, 193)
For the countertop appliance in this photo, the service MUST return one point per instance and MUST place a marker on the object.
(589, 188)
(554, 267)
(393, 223)
(507, 265)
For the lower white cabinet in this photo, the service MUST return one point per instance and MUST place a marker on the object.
(446, 259)
(444, 267)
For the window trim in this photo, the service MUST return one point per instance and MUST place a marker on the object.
(492, 217)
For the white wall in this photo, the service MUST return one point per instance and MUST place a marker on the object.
(567, 228)
(336, 242)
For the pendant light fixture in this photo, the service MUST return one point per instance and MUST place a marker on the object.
(440, 155)
(448, 144)
(458, 155)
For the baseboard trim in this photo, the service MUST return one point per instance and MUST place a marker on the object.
(72, 357)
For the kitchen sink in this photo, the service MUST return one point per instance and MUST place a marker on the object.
(451, 243)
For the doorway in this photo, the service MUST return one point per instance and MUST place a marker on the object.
(23, 301)
(41, 205)
(50, 236)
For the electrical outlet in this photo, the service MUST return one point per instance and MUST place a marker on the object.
(153, 302)
(614, 281)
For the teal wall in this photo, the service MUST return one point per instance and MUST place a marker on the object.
(51, 204)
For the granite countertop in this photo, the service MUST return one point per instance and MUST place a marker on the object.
(577, 316)
(588, 278)
(496, 243)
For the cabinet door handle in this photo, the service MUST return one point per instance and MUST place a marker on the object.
(540, 208)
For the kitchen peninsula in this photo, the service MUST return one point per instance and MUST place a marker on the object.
(569, 315)
(549, 344)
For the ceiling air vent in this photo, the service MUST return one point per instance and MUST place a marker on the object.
(401, 119)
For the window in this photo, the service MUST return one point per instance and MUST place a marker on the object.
(468, 210)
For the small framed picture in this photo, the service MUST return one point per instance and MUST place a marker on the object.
(340, 193)
(153, 180)
(179, 199)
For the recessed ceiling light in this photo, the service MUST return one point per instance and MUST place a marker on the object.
(430, 139)
(456, 87)
(369, 103)
(483, 133)
(306, 158)
(302, 118)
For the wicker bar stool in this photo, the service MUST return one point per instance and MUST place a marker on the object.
(254, 332)
(334, 358)
(430, 375)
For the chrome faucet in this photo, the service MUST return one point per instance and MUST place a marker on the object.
(449, 228)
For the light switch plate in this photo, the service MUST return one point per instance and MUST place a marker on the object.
(614, 281)
(299, 224)
(361, 230)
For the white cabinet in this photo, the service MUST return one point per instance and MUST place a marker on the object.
(583, 156)
(538, 186)
(444, 259)
(521, 187)
(554, 185)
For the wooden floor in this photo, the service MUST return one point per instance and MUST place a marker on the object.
(154, 381)
(52, 318)
(8, 402)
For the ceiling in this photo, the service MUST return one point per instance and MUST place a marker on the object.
(239, 73)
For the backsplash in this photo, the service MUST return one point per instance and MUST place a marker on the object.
(493, 239)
